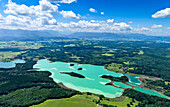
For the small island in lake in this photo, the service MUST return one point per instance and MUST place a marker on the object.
(80, 69)
(71, 64)
(116, 79)
(73, 74)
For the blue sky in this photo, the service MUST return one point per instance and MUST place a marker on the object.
(150, 17)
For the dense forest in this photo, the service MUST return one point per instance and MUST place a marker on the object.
(29, 87)
(159, 85)
(146, 100)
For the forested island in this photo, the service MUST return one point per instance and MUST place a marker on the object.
(73, 74)
(116, 79)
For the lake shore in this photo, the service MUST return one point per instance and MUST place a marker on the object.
(143, 86)
(63, 86)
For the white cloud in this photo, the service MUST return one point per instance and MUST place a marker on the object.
(13, 8)
(122, 26)
(162, 13)
(95, 26)
(69, 14)
(92, 10)
(63, 1)
(40, 17)
(156, 26)
(1, 17)
(44, 21)
(11, 20)
(46, 6)
(102, 13)
(92, 21)
(110, 21)
(168, 28)
(96, 21)
(43, 9)
(144, 29)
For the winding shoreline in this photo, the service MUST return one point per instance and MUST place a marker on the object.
(63, 86)
(143, 86)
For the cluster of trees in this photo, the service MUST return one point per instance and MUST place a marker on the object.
(153, 62)
(73, 74)
(116, 79)
(146, 100)
(28, 88)
(159, 83)
(19, 87)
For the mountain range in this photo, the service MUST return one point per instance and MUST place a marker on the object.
(6, 34)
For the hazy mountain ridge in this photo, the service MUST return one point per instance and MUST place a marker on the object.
(19, 34)
(118, 36)
(28, 33)
(115, 35)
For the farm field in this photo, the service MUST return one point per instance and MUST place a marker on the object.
(75, 101)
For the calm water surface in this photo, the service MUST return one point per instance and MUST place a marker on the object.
(10, 64)
(92, 83)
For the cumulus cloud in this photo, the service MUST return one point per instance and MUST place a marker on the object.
(13, 8)
(46, 6)
(43, 9)
(69, 14)
(63, 1)
(162, 13)
(122, 26)
(156, 26)
(45, 21)
(110, 21)
(92, 10)
(40, 17)
(95, 26)
(144, 29)
(96, 21)
(102, 13)
(1, 17)
(11, 20)
(20, 22)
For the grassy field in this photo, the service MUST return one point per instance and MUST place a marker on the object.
(9, 54)
(115, 67)
(166, 83)
(106, 54)
(75, 101)
(71, 45)
(76, 58)
(140, 53)
(85, 100)
(120, 103)
(21, 45)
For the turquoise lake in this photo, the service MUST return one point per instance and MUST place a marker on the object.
(10, 64)
(119, 84)
(92, 83)
(133, 80)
